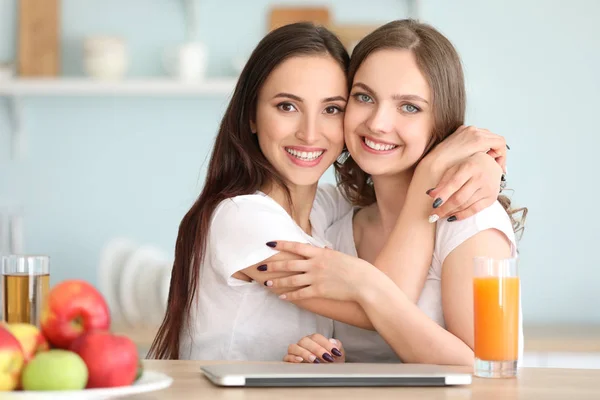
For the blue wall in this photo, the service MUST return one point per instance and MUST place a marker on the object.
(98, 167)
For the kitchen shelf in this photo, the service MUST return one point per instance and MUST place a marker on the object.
(17, 89)
(128, 87)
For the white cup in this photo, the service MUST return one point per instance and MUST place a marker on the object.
(186, 62)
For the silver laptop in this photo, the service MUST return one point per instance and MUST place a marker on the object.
(350, 374)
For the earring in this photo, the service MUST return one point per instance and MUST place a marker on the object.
(502, 182)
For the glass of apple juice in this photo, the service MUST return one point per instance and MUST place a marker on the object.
(25, 282)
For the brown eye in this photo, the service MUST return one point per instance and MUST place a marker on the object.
(286, 107)
(332, 110)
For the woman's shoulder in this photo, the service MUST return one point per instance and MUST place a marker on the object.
(248, 203)
(450, 235)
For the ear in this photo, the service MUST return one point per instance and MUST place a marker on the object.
(253, 127)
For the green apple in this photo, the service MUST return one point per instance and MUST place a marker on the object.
(55, 370)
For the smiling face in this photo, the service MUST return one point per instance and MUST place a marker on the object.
(389, 117)
(299, 117)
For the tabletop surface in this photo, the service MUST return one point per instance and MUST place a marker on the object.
(531, 383)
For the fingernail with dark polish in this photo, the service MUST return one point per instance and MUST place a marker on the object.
(508, 147)
(437, 203)
(452, 218)
(336, 352)
(503, 178)
(317, 361)
(266, 283)
(429, 191)
(262, 267)
(271, 244)
(327, 357)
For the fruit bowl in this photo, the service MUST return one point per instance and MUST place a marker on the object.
(72, 349)
(149, 381)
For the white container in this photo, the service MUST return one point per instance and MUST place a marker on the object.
(186, 62)
(7, 71)
(105, 57)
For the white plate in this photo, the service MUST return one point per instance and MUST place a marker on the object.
(112, 259)
(149, 382)
(133, 270)
(147, 299)
(163, 286)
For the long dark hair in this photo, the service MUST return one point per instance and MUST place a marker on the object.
(237, 167)
(440, 63)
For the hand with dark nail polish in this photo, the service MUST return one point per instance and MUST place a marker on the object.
(452, 218)
(336, 352)
(262, 267)
(317, 361)
(327, 357)
(429, 191)
(271, 244)
(437, 202)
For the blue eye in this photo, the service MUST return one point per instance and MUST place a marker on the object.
(286, 107)
(363, 98)
(409, 108)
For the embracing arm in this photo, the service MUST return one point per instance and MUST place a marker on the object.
(349, 312)
(407, 253)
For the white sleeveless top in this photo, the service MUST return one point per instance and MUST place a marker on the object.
(363, 345)
(233, 319)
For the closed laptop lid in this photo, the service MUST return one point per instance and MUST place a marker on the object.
(348, 374)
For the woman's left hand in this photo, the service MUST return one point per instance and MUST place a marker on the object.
(316, 349)
(324, 273)
(467, 188)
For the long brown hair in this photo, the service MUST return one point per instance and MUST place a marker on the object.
(440, 63)
(237, 167)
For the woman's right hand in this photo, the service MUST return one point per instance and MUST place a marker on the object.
(316, 349)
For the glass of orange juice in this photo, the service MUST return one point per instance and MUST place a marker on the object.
(496, 289)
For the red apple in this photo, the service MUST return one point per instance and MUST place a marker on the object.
(111, 360)
(11, 360)
(73, 307)
(31, 339)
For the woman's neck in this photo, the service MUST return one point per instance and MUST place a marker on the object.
(391, 195)
(302, 198)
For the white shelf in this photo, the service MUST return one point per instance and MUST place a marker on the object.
(127, 87)
(16, 89)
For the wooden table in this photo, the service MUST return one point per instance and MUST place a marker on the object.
(532, 383)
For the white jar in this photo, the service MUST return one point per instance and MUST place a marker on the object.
(105, 57)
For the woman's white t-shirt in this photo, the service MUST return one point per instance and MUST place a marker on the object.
(363, 345)
(232, 319)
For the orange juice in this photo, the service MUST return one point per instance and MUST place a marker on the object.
(496, 313)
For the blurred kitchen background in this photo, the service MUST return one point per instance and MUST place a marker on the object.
(109, 108)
